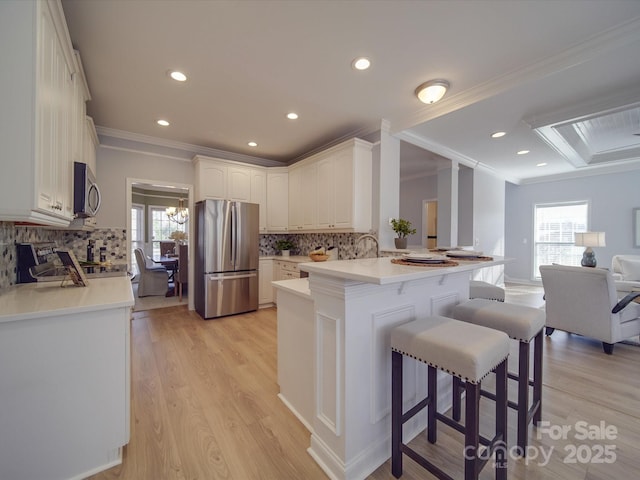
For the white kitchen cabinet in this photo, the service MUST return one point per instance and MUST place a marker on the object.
(332, 190)
(65, 376)
(265, 274)
(41, 115)
(295, 196)
(259, 194)
(302, 198)
(239, 183)
(223, 179)
(36, 114)
(308, 197)
(90, 143)
(277, 199)
(211, 179)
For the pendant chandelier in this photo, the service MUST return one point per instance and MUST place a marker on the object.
(178, 214)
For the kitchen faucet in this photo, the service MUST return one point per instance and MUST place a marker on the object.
(364, 237)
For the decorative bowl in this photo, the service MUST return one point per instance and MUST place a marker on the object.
(318, 257)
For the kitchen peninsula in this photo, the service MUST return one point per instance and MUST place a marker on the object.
(345, 349)
(65, 376)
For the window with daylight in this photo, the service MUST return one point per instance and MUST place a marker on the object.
(161, 227)
(137, 232)
(555, 225)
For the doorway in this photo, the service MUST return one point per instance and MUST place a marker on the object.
(430, 223)
(146, 200)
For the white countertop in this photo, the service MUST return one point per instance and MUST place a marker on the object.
(46, 299)
(381, 271)
(297, 286)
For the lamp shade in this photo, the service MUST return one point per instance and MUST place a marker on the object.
(589, 239)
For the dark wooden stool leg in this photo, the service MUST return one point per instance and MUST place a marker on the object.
(432, 407)
(537, 377)
(501, 421)
(523, 398)
(456, 403)
(471, 431)
(396, 414)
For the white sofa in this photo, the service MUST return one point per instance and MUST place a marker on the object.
(625, 270)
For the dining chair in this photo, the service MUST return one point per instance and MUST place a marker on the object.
(181, 277)
(153, 280)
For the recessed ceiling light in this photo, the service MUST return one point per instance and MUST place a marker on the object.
(178, 76)
(252, 144)
(522, 152)
(498, 134)
(543, 164)
(361, 63)
(163, 123)
(292, 116)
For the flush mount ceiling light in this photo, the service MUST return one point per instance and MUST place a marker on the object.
(522, 152)
(292, 116)
(498, 134)
(543, 164)
(178, 76)
(252, 144)
(361, 63)
(432, 91)
(163, 123)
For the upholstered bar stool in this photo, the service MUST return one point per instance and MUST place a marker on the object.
(463, 350)
(478, 289)
(521, 323)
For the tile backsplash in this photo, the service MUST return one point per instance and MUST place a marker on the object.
(116, 242)
(114, 239)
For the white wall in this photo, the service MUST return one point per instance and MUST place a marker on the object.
(489, 222)
(114, 166)
(612, 198)
(412, 193)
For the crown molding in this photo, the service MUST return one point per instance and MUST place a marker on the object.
(622, 34)
(590, 171)
(452, 155)
(191, 149)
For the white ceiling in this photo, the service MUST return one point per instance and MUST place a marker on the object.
(519, 66)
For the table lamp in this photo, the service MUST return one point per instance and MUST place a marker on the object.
(589, 240)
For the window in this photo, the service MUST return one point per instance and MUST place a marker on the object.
(554, 227)
(161, 227)
(137, 232)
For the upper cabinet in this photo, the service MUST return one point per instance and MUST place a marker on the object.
(42, 113)
(277, 199)
(328, 191)
(335, 189)
(223, 179)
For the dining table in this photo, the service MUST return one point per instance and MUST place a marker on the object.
(170, 262)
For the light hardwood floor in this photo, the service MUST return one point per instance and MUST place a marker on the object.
(204, 406)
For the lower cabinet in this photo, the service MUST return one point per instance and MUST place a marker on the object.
(265, 274)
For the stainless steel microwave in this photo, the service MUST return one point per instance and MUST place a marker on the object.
(86, 195)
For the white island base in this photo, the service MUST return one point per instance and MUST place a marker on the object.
(356, 304)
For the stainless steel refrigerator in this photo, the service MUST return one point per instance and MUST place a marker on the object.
(226, 257)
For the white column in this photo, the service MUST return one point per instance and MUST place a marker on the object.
(389, 188)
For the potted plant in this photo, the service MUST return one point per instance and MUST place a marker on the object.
(402, 228)
(284, 246)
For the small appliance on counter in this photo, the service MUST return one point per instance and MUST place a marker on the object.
(39, 262)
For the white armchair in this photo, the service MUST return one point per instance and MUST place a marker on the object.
(625, 270)
(584, 301)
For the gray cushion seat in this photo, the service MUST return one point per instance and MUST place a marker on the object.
(465, 350)
(479, 289)
(519, 322)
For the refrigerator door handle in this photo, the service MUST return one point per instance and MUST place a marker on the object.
(234, 234)
(231, 277)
